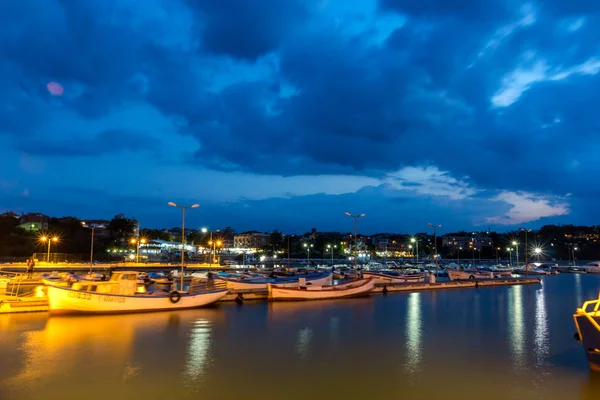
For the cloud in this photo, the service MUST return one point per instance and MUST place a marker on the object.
(527, 207)
(450, 101)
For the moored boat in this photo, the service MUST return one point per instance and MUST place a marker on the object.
(530, 269)
(592, 268)
(455, 274)
(588, 331)
(356, 288)
(260, 283)
(124, 294)
(393, 277)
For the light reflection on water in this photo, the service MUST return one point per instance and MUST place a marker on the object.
(413, 332)
(541, 339)
(488, 343)
(517, 329)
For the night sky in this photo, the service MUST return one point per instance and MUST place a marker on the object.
(284, 114)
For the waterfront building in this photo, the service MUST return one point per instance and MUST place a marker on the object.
(475, 240)
(35, 222)
(157, 247)
(251, 240)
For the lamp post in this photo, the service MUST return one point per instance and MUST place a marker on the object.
(355, 217)
(93, 228)
(137, 242)
(574, 249)
(416, 242)
(307, 252)
(537, 252)
(509, 255)
(526, 261)
(435, 244)
(458, 256)
(497, 258)
(183, 210)
(514, 243)
(204, 230)
(331, 249)
(473, 255)
(49, 240)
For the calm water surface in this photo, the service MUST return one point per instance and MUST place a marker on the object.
(490, 343)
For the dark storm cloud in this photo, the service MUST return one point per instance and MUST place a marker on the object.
(290, 87)
(246, 29)
(106, 142)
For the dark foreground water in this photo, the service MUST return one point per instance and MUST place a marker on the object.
(490, 343)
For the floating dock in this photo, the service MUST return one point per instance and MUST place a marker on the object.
(255, 294)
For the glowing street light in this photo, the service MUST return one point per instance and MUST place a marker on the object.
(48, 239)
(183, 210)
(514, 243)
(330, 247)
(307, 247)
(537, 251)
(416, 242)
(355, 217)
(137, 242)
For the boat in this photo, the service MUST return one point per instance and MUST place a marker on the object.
(530, 269)
(455, 275)
(587, 323)
(356, 288)
(592, 268)
(551, 268)
(393, 277)
(122, 293)
(260, 283)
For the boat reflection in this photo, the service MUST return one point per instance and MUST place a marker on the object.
(516, 326)
(124, 348)
(304, 338)
(413, 332)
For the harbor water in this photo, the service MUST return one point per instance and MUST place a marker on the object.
(506, 342)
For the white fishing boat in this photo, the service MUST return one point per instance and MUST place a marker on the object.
(359, 287)
(260, 283)
(592, 268)
(124, 294)
(530, 269)
(393, 277)
(455, 275)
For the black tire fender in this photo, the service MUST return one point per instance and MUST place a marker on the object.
(174, 296)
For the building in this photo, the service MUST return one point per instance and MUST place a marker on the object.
(157, 246)
(34, 222)
(251, 240)
(474, 241)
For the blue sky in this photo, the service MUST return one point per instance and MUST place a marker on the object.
(285, 114)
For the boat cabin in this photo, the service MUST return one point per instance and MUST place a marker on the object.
(124, 283)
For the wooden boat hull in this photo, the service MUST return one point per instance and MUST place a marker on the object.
(588, 333)
(262, 284)
(461, 275)
(361, 287)
(385, 278)
(64, 300)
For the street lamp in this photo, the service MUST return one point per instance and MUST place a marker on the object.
(331, 248)
(93, 228)
(137, 242)
(416, 242)
(497, 258)
(574, 250)
(307, 252)
(183, 210)
(514, 243)
(509, 256)
(435, 244)
(355, 217)
(537, 251)
(458, 256)
(48, 239)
